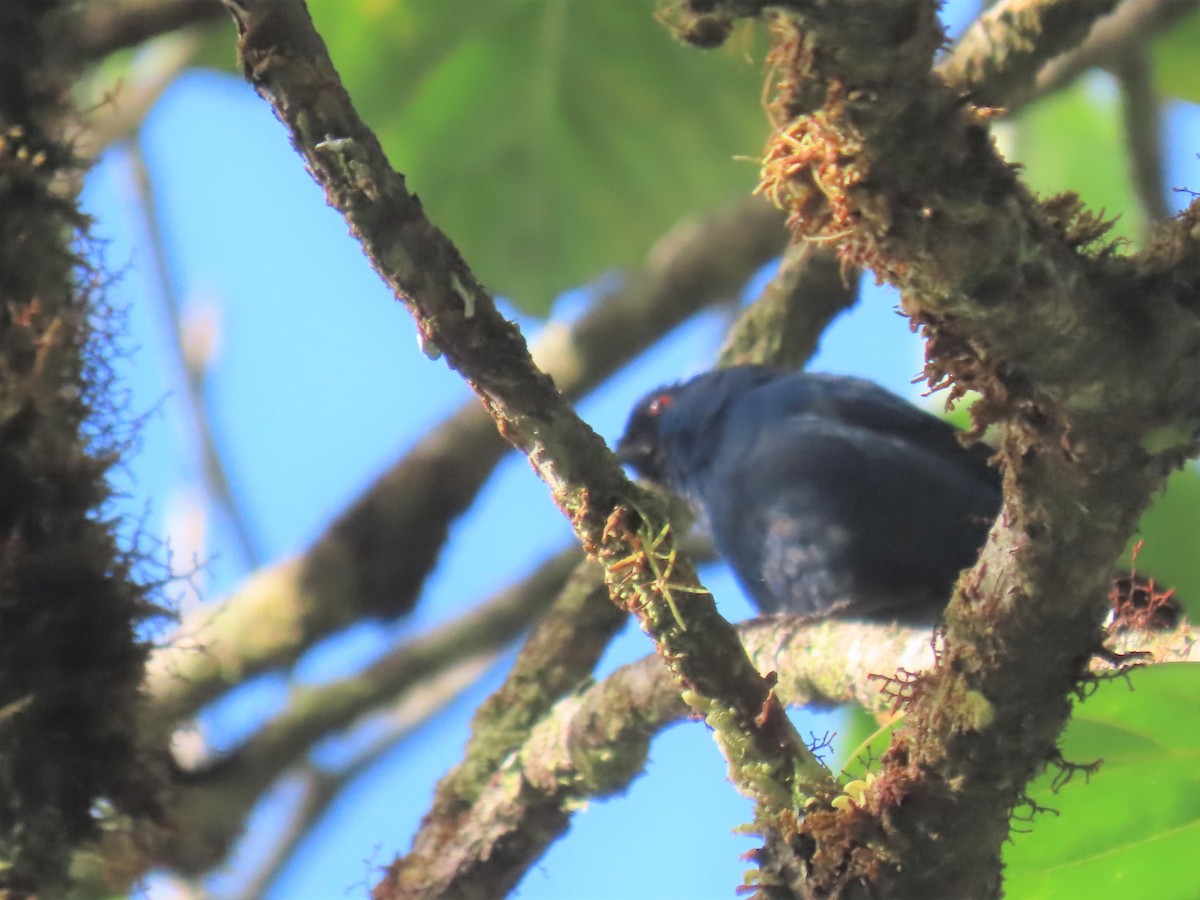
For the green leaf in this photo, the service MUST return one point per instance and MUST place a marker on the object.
(1171, 540)
(1177, 60)
(1133, 828)
(1072, 141)
(550, 139)
(862, 741)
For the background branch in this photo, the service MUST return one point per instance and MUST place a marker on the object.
(101, 27)
(1142, 117)
(999, 56)
(594, 743)
(286, 61)
(446, 658)
(1131, 26)
(701, 261)
(1018, 50)
(191, 372)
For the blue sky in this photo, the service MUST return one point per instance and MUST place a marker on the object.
(311, 397)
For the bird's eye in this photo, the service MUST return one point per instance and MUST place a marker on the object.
(659, 404)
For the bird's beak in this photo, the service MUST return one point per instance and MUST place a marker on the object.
(629, 451)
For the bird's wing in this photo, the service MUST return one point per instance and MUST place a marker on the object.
(812, 510)
(861, 404)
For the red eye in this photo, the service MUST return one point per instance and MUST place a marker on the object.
(659, 404)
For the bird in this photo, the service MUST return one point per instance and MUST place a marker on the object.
(827, 495)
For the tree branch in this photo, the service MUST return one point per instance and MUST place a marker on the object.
(1143, 135)
(907, 182)
(70, 605)
(997, 60)
(615, 521)
(1018, 50)
(1132, 25)
(233, 783)
(209, 810)
(345, 575)
(595, 742)
(999, 56)
(566, 595)
(557, 658)
(101, 27)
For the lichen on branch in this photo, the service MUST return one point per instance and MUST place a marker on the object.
(1083, 358)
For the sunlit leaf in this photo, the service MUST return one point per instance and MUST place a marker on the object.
(1124, 831)
(551, 139)
(862, 741)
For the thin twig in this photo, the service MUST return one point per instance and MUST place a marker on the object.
(191, 375)
(101, 27)
(1143, 134)
(321, 786)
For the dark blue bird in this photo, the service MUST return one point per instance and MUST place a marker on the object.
(825, 494)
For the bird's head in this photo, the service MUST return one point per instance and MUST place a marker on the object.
(643, 446)
(673, 430)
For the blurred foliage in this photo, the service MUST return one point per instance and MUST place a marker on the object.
(545, 158)
(1177, 60)
(547, 163)
(1133, 828)
(1073, 141)
(1170, 536)
(1130, 829)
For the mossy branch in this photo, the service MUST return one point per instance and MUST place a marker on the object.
(615, 521)
(1084, 359)
(343, 577)
(70, 662)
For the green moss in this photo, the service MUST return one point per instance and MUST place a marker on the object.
(70, 662)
